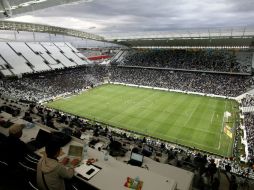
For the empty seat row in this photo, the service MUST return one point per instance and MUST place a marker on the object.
(17, 58)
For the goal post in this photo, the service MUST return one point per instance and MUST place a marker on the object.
(227, 115)
(106, 80)
(226, 128)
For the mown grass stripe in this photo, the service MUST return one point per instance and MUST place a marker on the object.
(191, 120)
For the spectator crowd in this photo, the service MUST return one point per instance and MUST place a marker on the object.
(248, 122)
(207, 60)
(248, 101)
(249, 127)
(43, 86)
(219, 84)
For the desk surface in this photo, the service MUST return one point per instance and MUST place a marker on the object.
(169, 171)
(113, 174)
(27, 135)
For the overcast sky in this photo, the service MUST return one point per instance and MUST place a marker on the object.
(113, 16)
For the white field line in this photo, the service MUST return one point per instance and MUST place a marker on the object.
(190, 115)
(212, 118)
(222, 125)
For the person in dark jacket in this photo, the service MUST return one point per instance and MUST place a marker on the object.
(233, 183)
(15, 148)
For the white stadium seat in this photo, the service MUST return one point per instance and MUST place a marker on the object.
(35, 60)
(5, 71)
(17, 62)
(69, 53)
(80, 55)
(36, 47)
(57, 55)
(17, 58)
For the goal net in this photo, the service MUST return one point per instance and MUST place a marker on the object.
(227, 115)
(106, 79)
(226, 127)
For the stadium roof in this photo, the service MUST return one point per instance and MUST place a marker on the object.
(188, 33)
(31, 27)
(192, 37)
(14, 7)
(213, 37)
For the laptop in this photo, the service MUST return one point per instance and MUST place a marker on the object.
(74, 156)
(136, 159)
(75, 151)
(40, 140)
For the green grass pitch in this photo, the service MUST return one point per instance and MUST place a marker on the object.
(191, 120)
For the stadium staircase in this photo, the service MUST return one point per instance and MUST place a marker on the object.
(116, 56)
(119, 56)
(248, 109)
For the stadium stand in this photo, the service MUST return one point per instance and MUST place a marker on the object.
(16, 62)
(117, 56)
(248, 126)
(43, 86)
(248, 101)
(58, 55)
(69, 53)
(37, 87)
(80, 55)
(38, 49)
(79, 75)
(220, 84)
(36, 61)
(18, 57)
(248, 123)
(205, 60)
(245, 61)
(91, 52)
(4, 67)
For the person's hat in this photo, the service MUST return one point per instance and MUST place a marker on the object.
(16, 128)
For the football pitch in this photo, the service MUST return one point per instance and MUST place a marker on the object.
(191, 120)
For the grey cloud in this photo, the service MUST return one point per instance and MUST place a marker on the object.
(153, 15)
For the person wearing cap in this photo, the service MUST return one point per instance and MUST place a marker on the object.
(15, 148)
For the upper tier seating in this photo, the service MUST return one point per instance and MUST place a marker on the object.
(17, 58)
(16, 63)
(203, 60)
(37, 62)
(58, 55)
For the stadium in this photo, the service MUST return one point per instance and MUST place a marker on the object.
(148, 107)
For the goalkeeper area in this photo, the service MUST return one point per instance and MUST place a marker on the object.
(191, 120)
